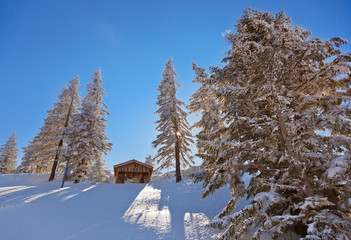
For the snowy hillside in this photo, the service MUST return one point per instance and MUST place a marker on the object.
(32, 208)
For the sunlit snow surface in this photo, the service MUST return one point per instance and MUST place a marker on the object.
(32, 208)
(4, 191)
(144, 211)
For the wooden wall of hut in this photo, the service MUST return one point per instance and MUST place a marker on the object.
(133, 171)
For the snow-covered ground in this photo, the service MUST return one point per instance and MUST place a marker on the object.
(32, 208)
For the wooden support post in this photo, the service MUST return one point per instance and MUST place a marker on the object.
(116, 175)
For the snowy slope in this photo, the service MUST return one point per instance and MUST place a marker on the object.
(32, 208)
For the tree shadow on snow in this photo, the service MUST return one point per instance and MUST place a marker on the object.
(175, 210)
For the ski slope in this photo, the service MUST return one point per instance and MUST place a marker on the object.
(32, 208)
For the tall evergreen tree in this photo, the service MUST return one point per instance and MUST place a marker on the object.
(88, 126)
(208, 140)
(33, 160)
(58, 120)
(277, 91)
(150, 160)
(175, 137)
(43, 152)
(8, 155)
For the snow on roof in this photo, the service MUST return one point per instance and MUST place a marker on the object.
(132, 161)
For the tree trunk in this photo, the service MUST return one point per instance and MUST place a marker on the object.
(288, 142)
(289, 146)
(54, 166)
(286, 136)
(177, 151)
(178, 174)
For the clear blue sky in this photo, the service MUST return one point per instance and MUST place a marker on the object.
(44, 44)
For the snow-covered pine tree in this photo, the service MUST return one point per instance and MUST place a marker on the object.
(175, 137)
(97, 171)
(208, 140)
(279, 89)
(58, 120)
(90, 142)
(8, 155)
(43, 152)
(33, 160)
(150, 160)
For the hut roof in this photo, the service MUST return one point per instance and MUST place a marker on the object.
(133, 161)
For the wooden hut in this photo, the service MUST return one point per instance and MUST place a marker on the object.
(132, 171)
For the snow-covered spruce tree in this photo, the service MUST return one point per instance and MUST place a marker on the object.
(150, 160)
(58, 121)
(8, 155)
(175, 138)
(43, 152)
(278, 90)
(208, 141)
(90, 143)
(97, 171)
(33, 160)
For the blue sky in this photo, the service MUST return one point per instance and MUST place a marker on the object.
(44, 44)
